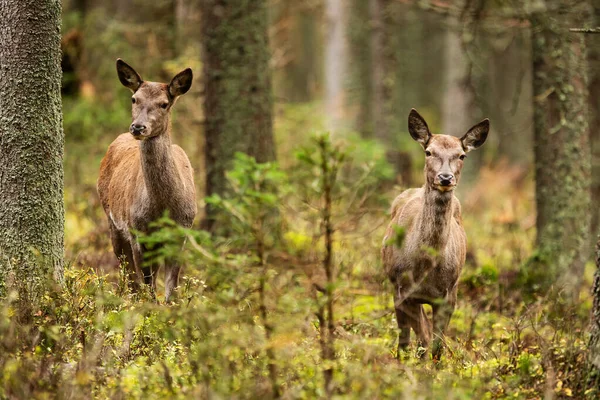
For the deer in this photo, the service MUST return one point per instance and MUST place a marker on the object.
(143, 176)
(425, 268)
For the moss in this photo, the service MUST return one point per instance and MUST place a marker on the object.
(31, 146)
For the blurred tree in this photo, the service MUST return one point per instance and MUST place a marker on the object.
(379, 105)
(187, 24)
(31, 148)
(238, 100)
(296, 47)
(458, 111)
(508, 99)
(336, 62)
(562, 150)
(593, 42)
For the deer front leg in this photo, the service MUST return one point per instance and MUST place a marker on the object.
(442, 312)
(138, 261)
(172, 270)
(422, 327)
(403, 320)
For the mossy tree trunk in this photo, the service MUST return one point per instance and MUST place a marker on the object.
(31, 147)
(238, 101)
(593, 42)
(562, 146)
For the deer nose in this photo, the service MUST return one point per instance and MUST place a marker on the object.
(137, 129)
(445, 179)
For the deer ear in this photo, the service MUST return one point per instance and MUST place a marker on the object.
(418, 129)
(181, 83)
(127, 75)
(475, 137)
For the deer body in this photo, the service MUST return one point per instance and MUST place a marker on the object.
(426, 268)
(143, 175)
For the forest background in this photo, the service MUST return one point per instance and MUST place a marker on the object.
(252, 316)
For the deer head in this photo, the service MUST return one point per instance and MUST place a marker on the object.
(445, 154)
(152, 101)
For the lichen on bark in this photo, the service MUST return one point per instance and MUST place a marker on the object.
(31, 146)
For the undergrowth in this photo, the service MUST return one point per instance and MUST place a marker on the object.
(249, 319)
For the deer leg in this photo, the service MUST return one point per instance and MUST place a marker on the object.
(122, 250)
(422, 326)
(442, 312)
(403, 320)
(138, 259)
(150, 273)
(172, 270)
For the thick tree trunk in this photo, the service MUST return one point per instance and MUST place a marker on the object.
(335, 64)
(31, 147)
(593, 42)
(562, 149)
(238, 102)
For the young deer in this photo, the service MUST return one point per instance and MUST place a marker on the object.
(143, 175)
(425, 269)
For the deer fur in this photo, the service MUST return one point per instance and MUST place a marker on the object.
(143, 175)
(425, 269)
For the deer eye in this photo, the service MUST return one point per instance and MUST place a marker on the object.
(133, 100)
(462, 156)
(427, 153)
(164, 105)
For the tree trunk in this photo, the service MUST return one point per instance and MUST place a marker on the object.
(594, 104)
(335, 64)
(562, 150)
(238, 103)
(31, 147)
(508, 100)
(379, 72)
(594, 344)
(458, 108)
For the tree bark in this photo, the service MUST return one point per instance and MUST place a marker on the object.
(31, 147)
(562, 150)
(238, 102)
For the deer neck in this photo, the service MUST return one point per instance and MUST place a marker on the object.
(436, 217)
(161, 176)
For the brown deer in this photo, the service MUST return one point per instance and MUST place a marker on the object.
(426, 267)
(143, 175)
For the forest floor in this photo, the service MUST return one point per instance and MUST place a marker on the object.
(93, 337)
